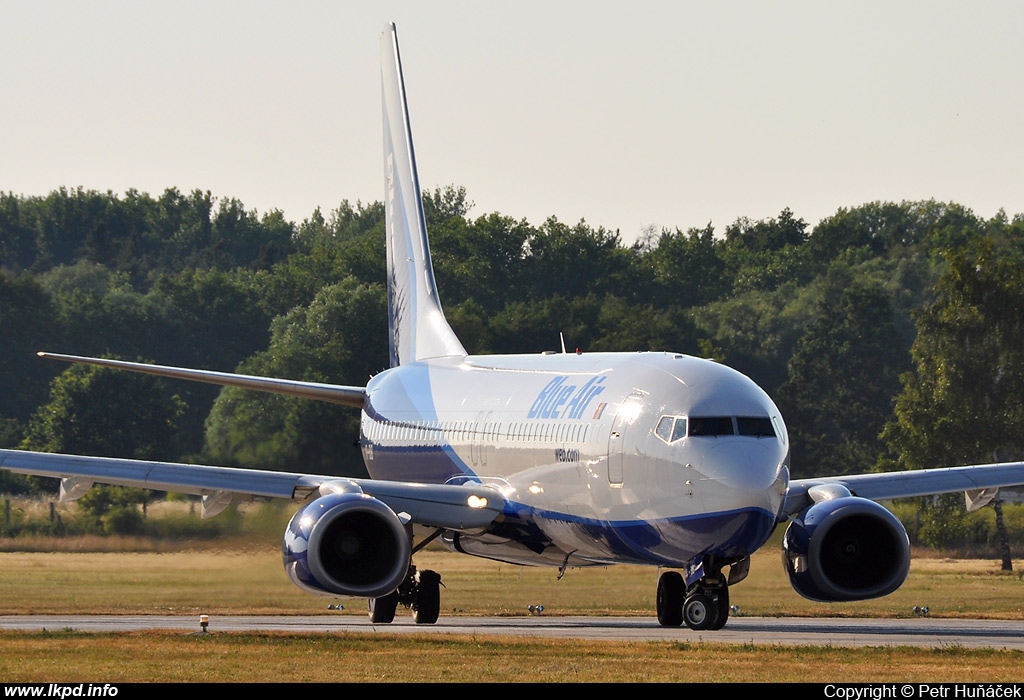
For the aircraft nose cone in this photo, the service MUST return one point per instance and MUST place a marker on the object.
(747, 464)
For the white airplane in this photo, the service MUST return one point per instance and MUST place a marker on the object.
(564, 460)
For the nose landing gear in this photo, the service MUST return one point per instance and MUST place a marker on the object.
(706, 611)
(702, 606)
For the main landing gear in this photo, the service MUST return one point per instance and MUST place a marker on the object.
(704, 605)
(420, 591)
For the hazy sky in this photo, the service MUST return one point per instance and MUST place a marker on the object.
(663, 114)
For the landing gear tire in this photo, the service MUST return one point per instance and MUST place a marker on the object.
(700, 612)
(426, 604)
(382, 610)
(671, 593)
(722, 604)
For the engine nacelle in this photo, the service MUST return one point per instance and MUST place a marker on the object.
(846, 549)
(346, 544)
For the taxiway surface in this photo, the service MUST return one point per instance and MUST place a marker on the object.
(919, 632)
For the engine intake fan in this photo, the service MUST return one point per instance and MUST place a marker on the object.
(346, 544)
(846, 549)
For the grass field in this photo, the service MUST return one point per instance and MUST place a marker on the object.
(238, 580)
(229, 579)
(67, 656)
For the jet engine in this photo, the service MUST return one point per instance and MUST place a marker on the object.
(346, 544)
(846, 548)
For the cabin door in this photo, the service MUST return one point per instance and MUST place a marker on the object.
(627, 412)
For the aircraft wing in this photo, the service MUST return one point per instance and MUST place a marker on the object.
(457, 507)
(884, 486)
(346, 395)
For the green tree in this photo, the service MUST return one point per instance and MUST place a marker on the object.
(894, 229)
(771, 235)
(28, 324)
(963, 402)
(108, 413)
(348, 244)
(538, 326)
(763, 255)
(17, 239)
(842, 383)
(214, 318)
(574, 261)
(482, 261)
(324, 342)
(753, 332)
(242, 238)
(687, 268)
(115, 508)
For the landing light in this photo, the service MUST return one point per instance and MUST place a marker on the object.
(476, 502)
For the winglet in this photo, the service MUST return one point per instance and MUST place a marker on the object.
(418, 329)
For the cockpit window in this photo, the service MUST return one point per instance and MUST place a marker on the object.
(664, 429)
(711, 425)
(679, 431)
(755, 427)
(673, 428)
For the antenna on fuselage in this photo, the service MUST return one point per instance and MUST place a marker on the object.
(561, 337)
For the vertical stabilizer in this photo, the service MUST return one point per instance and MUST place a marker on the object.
(415, 319)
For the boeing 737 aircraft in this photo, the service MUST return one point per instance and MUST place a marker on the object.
(564, 460)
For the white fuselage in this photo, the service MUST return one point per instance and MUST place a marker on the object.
(581, 446)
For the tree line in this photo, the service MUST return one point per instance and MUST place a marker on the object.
(888, 333)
